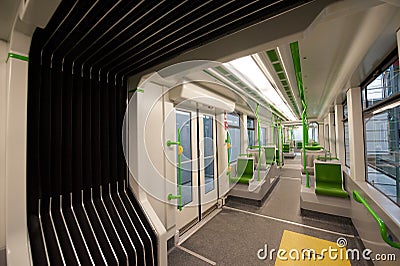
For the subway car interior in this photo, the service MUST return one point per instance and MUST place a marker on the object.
(199, 132)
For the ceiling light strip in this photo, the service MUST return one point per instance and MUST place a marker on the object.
(218, 75)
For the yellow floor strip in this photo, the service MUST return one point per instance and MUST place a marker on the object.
(299, 249)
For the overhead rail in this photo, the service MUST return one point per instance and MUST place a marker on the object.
(297, 66)
(382, 226)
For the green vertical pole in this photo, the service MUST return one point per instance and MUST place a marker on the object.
(297, 66)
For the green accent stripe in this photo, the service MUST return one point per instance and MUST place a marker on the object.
(17, 56)
(136, 90)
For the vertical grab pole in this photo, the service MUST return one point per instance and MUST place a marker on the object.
(294, 47)
(180, 151)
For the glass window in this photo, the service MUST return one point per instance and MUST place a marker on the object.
(263, 137)
(208, 153)
(183, 124)
(383, 86)
(313, 132)
(382, 143)
(346, 143)
(250, 131)
(234, 133)
(298, 133)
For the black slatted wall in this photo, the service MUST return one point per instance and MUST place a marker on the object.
(80, 209)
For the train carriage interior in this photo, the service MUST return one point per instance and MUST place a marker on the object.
(199, 132)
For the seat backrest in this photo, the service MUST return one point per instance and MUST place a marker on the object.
(245, 167)
(328, 174)
(269, 154)
(285, 147)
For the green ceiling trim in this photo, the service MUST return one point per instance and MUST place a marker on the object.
(273, 56)
(222, 70)
(276, 63)
(278, 67)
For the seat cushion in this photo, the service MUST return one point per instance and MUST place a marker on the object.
(329, 191)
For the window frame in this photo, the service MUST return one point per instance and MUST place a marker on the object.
(237, 127)
(251, 129)
(383, 66)
(191, 153)
(370, 110)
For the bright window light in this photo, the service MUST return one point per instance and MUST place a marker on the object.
(247, 69)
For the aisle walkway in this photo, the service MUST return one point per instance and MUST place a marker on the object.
(235, 235)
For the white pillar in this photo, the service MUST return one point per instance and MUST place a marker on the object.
(339, 132)
(356, 134)
(3, 117)
(17, 94)
(332, 137)
(222, 155)
(398, 41)
(321, 134)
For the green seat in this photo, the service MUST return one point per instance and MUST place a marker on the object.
(299, 145)
(314, 148)
(285, 147)
(269, 155)
(328, 178)
(245, 169)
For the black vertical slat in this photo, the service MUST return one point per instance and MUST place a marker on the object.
(96, 141)
(121, 107)
(67, 152)
(86, 135)
(56, 128)
(96, 155)
(33, 162)
(112, 90)
(56, 164)
(111, 233)
(77, 138)
(104, 129)
(147, 225)
(45, 132)
(51, 241)
(81, 129)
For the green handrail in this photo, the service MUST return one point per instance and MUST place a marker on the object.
(294, 47)
(180, 151)
(382, 226)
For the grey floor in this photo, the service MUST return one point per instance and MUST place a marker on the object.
(234, 236)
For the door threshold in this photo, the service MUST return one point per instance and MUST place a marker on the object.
(197, 226)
